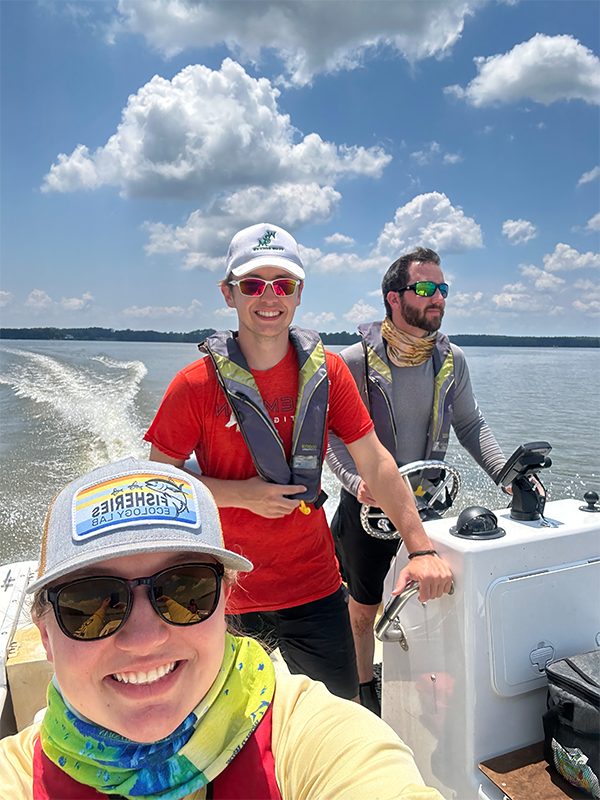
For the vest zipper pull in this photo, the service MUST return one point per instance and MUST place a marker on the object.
(304, 509)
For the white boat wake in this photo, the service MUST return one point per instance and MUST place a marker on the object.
(60, 419)
(95, 400)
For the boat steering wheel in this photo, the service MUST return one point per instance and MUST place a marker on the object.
(435, 499)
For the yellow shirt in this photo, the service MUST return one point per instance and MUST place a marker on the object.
(325, 748)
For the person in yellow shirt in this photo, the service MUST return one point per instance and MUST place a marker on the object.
(159, 702)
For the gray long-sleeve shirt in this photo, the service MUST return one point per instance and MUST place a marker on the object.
(412, 394)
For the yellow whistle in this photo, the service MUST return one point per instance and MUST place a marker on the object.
(304, 508)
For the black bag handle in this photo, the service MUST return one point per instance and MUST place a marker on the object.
(587, 678)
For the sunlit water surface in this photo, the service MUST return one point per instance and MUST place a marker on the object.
(67, 407)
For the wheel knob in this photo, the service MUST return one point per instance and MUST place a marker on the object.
(591, 498)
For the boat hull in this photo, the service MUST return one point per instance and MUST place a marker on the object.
(472, 683)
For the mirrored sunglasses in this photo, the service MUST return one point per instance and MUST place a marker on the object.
(96, 607)
(426, 288)
(255, 287)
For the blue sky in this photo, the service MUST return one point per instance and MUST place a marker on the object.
(137, 137)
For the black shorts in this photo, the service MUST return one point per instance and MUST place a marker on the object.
(364, 560)
(315, 639)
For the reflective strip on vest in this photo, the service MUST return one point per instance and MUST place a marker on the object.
(260, 435)
(379, 385)
(443, 401)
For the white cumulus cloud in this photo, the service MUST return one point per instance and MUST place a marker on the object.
(590, 309)
(567, 258)
(515, 298)
(593, 223)
(316, 320)
(317, 261)
(308, 37)
(466, 304)
(424, 156)
(6, 298)
(544, 69)
(225, 312)
(514, 288)
(518, 231)
(592, 289)
(589, 176)
(361, 312)
(452, 158)
(204, 238)
(513, 301)
(465, 299)
(544, 281)
(158, 312)
(429, 220)
(432, 151)
(339, 238)
(39, 300)
(77, 303)
(203, 132)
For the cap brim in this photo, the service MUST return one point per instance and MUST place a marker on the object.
(167, 544)
(268, 261)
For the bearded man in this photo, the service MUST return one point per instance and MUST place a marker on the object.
(415, 384)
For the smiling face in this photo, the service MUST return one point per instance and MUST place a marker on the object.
(415, 314)
(143, 681)
(265, 317)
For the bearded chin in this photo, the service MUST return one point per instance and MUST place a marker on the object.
(419, 319)
(431, 325)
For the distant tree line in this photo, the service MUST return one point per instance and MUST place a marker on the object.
(104, 334)
(343, 337)
(340, 338)
(110, 335)
(486, 340)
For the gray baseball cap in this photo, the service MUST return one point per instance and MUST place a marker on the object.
(263, 245)
(130, 507)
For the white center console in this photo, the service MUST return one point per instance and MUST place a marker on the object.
(471, 684)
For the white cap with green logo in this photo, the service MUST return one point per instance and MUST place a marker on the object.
(263, 245)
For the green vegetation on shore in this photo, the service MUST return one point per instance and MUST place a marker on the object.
(104, 334)
(341, 338)
(487, 340)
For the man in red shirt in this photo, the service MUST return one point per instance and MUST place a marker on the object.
(256, 413)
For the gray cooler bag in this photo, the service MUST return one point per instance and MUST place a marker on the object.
(572, 722)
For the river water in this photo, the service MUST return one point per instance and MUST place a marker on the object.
(67, 407)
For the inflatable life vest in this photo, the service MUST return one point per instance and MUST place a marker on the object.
(250, 776)
(379, 388)
(259, 432)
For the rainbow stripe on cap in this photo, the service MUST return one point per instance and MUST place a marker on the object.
(138, 499)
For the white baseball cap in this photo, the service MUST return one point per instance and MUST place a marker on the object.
(263, 245)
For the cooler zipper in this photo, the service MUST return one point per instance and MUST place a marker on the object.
(567, 683)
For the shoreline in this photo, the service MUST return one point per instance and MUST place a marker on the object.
(339, 339)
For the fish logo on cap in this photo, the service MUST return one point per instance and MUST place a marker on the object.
(139, 499)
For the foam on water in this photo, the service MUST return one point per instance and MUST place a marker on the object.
(66, 419)
(96, 403)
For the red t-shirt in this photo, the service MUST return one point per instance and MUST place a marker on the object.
(293, 556)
